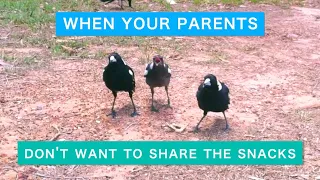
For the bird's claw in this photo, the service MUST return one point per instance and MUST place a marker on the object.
(196, 129)
(154, 109)
(135, 113)
(227, 128)
(113, 114)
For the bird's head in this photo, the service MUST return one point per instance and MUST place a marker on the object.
(211, 82)
(158, 60)
(114, 57)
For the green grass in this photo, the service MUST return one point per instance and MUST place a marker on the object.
(39, 17)
(7, 58)
(69, 48)
(19, 60)
(100, 55)
(165, 4)
(30, 60)
(36, 13)
(33, 13)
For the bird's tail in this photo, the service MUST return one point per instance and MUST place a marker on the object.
(108, 1)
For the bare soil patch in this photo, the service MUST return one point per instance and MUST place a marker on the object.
(275, 95)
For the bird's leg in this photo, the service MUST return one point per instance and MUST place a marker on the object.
(121, 4)
(227, 125)
(196, 129)
(130, 4)
(152, 106)
(135, 113)
(113, 112)
(166, 88)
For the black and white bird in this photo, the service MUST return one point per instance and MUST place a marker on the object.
(212, 96)
(158, 74)
(120, 2)
(118, 76)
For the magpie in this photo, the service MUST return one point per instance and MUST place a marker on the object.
(120, 2)
(118, 76)
(157, 74)
(212, 96)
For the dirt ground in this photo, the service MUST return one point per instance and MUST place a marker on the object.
(275, 95)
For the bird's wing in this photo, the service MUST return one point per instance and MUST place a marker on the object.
(225, 88)
(105, 71)
(168, 70)
(131, 72)
(148, 69)
(225, 91)
(199, 90)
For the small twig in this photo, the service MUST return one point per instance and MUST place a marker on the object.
(254, 178)
(248, 135)
(9, 168)
(293, 175)
(315, 86)
(8, 79)
(57, 135)
(176, 128)
(89, 177)
(106, 176)
(223, 60)
(136, 170)
(5, 37)
(134, 123)
(43, 176)
(264, 127)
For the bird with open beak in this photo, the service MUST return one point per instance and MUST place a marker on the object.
(158, 74)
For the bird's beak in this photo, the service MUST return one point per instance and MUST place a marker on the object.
(207, 82)
(112, 59)
(157, 62)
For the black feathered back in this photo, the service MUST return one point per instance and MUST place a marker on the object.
(210, 99)
(117, 76)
